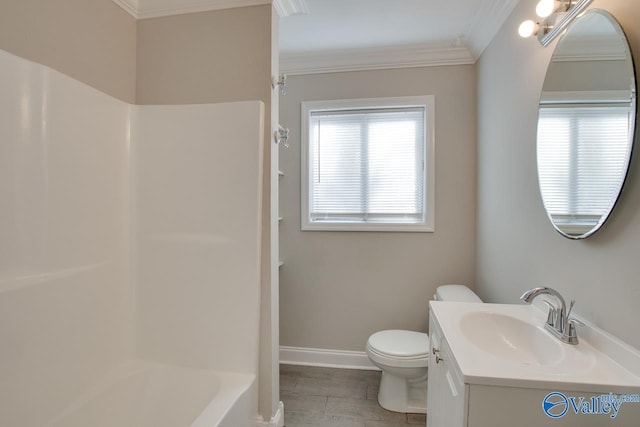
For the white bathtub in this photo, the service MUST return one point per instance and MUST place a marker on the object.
(144, 394)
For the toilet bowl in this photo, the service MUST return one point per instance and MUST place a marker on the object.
(403, 357)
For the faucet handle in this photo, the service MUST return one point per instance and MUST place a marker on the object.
(553, 313)
(572, 335)
(576, 322)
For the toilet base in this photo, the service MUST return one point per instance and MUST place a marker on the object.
(398, 394)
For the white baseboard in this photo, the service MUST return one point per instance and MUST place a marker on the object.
(276, 421)
(326, 358)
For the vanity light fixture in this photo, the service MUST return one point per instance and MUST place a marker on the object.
(547, 8)
(529, 28)
(555, 15)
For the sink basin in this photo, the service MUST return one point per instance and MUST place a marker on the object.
(507, 345)
(511, 339)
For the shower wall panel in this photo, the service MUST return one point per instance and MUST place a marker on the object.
(198, 171)
(125, 232)
(65, 281)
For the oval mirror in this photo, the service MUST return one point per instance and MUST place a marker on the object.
(586, 123)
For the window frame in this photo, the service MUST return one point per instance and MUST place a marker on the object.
(425, 101)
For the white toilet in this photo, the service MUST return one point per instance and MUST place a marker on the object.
(403, 357)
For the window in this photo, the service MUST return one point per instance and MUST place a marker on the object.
(580, 181)
(367, 165)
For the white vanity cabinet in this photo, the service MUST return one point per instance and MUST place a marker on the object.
(468, 387)
(446, 392)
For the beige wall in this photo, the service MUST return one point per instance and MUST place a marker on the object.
(516, 246)
(93, 41)
(336, 288)
(588, 75)
(217, 56)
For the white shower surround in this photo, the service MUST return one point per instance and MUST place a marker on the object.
(129, 236)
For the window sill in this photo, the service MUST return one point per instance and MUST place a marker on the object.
(397, 228)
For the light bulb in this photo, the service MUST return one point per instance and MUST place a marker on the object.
(528, 28)
(546, 8)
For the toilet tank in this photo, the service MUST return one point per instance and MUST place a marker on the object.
(457, 293)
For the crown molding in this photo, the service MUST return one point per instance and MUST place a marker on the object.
(130, 6)
(140, 9)
(591, 49)
(291, 7)
(486, 23)
(373, 59)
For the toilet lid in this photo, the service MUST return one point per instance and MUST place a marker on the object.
(457, 293)
(399, 343)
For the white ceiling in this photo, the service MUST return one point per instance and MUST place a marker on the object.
(341, 35)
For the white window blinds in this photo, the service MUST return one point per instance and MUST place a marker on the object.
(580, 180)
(367, 165)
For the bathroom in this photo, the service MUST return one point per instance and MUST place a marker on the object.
(491, 229)
(336, 289)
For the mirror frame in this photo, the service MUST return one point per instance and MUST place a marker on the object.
(632, 127)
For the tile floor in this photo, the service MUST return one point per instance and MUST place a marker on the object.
(324, 397)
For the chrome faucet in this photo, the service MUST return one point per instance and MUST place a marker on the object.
(558, 321)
